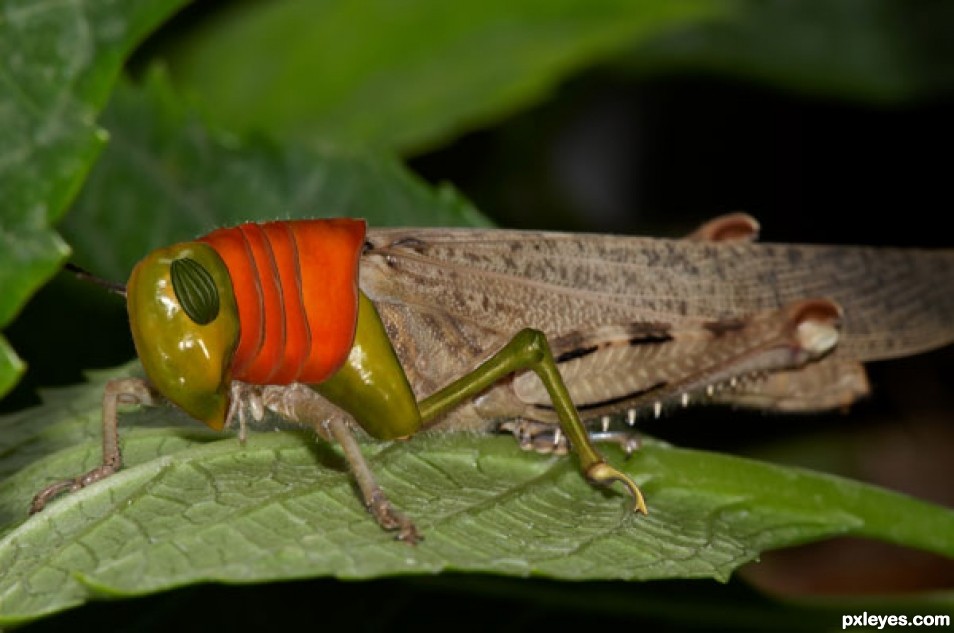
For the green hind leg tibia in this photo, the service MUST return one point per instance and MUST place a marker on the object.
(529, 350)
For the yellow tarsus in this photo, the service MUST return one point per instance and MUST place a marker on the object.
(603, 473)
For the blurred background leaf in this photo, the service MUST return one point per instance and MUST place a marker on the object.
(885, 51)
(401, 75)
(59, 63)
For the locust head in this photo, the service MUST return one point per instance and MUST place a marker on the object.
(184, 322)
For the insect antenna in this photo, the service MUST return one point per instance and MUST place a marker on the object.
(111, 286)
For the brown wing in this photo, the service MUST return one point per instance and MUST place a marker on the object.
(452, 297)
(896, 302)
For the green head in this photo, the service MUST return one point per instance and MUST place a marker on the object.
(185, 325)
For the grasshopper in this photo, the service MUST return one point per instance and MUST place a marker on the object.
(547, 336)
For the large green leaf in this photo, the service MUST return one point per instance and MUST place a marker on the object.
(192, 505)
(401, 75)
(60, 60)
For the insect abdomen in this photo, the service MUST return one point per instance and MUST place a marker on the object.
(296, 288)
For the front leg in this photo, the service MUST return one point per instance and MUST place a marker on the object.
(120, 391)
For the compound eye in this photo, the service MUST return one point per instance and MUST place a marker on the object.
(195, 290)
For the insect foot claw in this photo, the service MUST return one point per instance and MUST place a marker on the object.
(409, 534)
(603, 473)
(389, 518)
